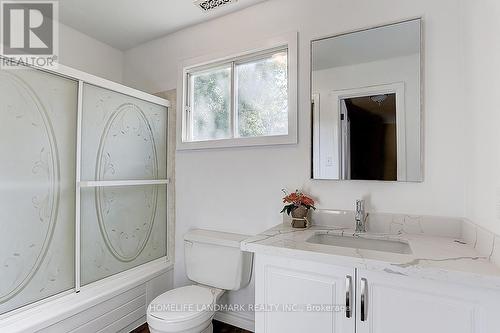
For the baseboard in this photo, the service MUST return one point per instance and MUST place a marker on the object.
(135, 325)
(236, 319)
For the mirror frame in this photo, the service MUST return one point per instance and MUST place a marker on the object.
(422, 99)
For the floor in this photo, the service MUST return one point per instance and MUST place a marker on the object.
(219, 327)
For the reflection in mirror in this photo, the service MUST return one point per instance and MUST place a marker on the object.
(374, 117)
(366, 104)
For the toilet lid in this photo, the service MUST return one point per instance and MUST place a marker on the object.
(182, 304)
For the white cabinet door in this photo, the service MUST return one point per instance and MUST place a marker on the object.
(295, 296)
(395, 304)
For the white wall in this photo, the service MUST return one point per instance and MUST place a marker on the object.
(482, 84)
(399, 69)
(238, 189)
(87, 54)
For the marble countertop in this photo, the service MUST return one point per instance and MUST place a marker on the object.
(440, 258)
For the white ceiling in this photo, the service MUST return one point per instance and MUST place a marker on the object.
(124, 24)
(386, 42)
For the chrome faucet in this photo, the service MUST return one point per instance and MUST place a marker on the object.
(360, 216)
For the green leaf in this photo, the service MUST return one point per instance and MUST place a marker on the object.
(287, 209)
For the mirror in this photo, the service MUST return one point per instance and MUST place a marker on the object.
(366, 111)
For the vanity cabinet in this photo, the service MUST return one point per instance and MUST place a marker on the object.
(397, 303)
(298, 296)
(291, 296)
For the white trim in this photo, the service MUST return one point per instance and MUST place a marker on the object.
(78, 178)
(233, 121)
(116, 183)
(239, 142)
(75, 74)
(236, 319)
(397, 88)
(193, 67)
(366, 28)
(344, 152)
(288, 41)
(103, 83)
(49, 311)
(316, 142)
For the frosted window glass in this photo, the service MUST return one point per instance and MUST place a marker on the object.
(123, 138)
(262, 96)
(37, 186)
(211, 103)
(122, 227)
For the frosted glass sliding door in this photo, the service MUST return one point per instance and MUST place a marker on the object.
(122, 227)
(123, 172)
(38, 116)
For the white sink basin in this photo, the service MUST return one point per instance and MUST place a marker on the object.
(361, 242)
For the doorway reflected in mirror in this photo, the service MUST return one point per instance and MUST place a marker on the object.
(374, 117)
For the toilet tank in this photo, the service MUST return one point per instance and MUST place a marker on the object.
(214, 259)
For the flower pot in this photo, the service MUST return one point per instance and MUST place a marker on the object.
(299, 217)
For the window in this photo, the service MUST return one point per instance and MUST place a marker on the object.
(240, 101)
(246, 97)
(262, 96)
(209, 104)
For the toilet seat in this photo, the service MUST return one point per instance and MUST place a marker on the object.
(185, 309)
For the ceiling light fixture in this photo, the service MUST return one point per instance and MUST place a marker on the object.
(207, 5)
(378, 98)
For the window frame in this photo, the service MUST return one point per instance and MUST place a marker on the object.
(260, 50)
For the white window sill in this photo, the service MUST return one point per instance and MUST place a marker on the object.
(239, 142)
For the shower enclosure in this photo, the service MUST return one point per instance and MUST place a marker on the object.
(83, 182)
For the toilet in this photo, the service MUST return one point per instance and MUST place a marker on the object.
(215, 262)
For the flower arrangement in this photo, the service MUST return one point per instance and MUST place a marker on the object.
(295, 200)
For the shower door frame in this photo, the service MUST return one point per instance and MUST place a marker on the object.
(82, 78)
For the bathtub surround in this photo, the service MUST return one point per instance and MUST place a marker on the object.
(97, 306)
(88, 260)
